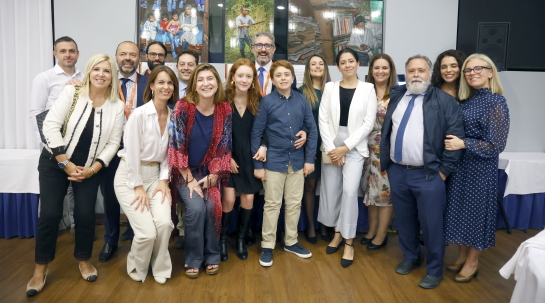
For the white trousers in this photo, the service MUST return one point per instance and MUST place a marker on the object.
(339, 190)
(151, 228)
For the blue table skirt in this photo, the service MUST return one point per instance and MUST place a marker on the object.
(19, 215)
(523, 211)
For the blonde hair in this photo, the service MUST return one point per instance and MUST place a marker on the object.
(112, 93)
(191, 91)
(308, 87)
(466, 91)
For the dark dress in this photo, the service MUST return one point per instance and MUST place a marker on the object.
(470, 216)
(318, 158)
(244, 181)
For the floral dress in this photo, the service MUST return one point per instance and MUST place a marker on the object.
(375, 182)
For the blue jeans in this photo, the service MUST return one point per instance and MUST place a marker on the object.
(174, 40)
(241, 42)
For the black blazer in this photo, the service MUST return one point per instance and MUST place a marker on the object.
(140, 88)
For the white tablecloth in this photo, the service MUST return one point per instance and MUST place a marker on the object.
(525, 171)
(19, 171)
(528, 266)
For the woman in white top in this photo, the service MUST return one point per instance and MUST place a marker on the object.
(141, 180)
(82, 137)
(347, 113)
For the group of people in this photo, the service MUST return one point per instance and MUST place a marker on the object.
(426, 151)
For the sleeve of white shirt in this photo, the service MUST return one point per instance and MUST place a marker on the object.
(324, 118)
(164, 169)
(134, 132)
(39, 93)
(368, 121)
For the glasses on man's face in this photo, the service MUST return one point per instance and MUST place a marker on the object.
(476, 69)
(263, 45)
(153, 55)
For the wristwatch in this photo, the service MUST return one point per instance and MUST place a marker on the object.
(63, 164)
(265, 146)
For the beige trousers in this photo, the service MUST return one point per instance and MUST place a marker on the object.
(151, 228)
(289, 186)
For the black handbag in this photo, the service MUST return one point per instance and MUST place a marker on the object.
(41, 117)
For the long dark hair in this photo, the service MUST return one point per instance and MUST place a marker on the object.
(308, 88)
(148, 94)
(436, 78)
(392, 80)
(347, 50)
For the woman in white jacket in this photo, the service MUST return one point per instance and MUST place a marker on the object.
(82, 137)
(347, 114)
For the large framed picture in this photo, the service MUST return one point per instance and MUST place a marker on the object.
(178, 24)
(328, 26)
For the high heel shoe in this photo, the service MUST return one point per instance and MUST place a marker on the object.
(365, 241)
(34, 290)
(467, 278)
(90, 277)
(311, 240)
(331, 249)
(345, 262)
(456, 267)
(372, 246)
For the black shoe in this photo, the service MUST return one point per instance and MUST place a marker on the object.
(250, 237)
(311, 240)
(325, 238)
(372, 246)
(180, 242)
(365, 241)
(405, 268)
(127, 235)
(225, 219)
(345, 262)
(245, 215)
(107, 252)
(430, 282)
(330, 249)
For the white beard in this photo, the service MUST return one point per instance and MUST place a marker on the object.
(417, 88)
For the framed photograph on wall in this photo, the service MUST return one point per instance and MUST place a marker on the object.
(243, 19)
(328, 26)
(178, 24)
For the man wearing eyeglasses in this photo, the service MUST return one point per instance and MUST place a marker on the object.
(412, 149)
(263, 50)
(156, 54)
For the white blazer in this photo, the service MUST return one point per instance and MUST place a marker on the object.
(361, 117)
(109, 119)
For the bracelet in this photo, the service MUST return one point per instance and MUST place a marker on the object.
(93, 169)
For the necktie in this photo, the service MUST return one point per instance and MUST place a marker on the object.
(398, 153)
(260, 76)
(124, 87)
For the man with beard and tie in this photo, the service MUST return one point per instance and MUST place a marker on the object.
(131, 92)
(418, 119)
(45, 90)
(156, 54)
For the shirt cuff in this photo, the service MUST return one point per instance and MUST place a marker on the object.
(101, 162)
(58, 151)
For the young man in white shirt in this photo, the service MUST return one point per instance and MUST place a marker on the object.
(187, 62)
(47, 86)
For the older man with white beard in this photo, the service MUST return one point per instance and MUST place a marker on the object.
(418, 119)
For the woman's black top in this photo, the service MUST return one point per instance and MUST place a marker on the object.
(345, 95)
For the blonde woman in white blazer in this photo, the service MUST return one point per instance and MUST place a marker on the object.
(347, 114)
(93, 133)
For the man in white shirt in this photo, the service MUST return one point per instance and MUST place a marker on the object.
(187, 62)
(47, 86)
(243, 22)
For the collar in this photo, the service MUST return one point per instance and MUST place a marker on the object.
(131, 77)
(149, 108)
(279, 95)
(267, 66)
(58, 70)
(182, 85)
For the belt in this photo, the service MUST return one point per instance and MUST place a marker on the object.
(144, 163)
(410, 166)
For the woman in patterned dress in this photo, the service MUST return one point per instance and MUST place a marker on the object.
(377, 192)
(470, 215)
(315, 78)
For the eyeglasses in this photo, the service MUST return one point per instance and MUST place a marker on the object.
(153, 55)
(261, 45)
(476, 69)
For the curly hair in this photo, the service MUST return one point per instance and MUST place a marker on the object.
(436, 78)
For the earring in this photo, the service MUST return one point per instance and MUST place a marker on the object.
(232, 82)
(253, 85)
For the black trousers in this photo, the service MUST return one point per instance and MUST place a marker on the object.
(53, 185)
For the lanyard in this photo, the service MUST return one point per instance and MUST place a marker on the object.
(264, 89)
(128, 109)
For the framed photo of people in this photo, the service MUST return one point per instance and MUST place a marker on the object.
(328, 26)
(178, 24)
(243, 19)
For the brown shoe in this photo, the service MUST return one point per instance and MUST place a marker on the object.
(34, 290)
(466, 278)
(455, 267)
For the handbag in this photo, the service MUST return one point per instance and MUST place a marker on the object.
(326, 159)
(41, 117)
